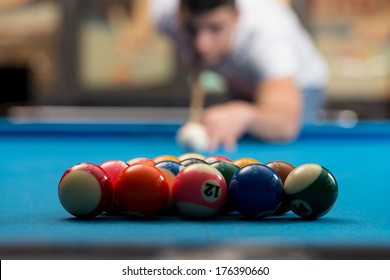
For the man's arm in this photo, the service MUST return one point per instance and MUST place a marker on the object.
(278, 109)
(9, 4)
(274, 116)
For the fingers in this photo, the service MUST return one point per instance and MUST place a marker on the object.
(230, 143)
(219, 136)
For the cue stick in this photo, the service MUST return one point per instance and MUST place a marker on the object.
(197, 98)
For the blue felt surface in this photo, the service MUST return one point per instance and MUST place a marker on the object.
(33, 158)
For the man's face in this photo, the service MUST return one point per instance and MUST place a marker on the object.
(210, 33)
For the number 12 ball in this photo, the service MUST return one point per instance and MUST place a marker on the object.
(312, 190)
(199, 190)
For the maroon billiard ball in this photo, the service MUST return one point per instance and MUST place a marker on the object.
(283, 169)
(85, 190)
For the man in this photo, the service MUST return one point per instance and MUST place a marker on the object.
(273, 71)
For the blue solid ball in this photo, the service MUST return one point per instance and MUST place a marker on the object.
(256, 191)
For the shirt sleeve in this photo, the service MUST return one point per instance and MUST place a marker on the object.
(163, 14)
(274, 56)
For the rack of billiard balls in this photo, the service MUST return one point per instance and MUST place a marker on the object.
(197, 186)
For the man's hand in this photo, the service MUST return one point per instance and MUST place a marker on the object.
(275, 115)
(226, 123)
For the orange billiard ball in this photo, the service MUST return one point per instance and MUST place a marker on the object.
(165, 158)
(142, 190)
(140, 160)
(242, 162)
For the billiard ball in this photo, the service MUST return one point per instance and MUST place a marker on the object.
(85, 190)
(140, 160)
(227, 169)
(165, 158)
(193, 137)
(170, 176)
(283, 169)
(190, 161)
(312, 190)
(113, 168)
(241, 162)
(212, 159)
(256, 191)
(173, 166)
(170, 168)
(199, 190)
(141, 190)
(191, 155)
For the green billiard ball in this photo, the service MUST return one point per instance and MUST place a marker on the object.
(227, 169)
(312, 190)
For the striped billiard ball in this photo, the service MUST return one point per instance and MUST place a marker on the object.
(189, 161)
(199, 190)
(212, 159)
(85, 190)
(312, 190)
(173, 166)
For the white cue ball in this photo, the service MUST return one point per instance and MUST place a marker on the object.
(193, 137)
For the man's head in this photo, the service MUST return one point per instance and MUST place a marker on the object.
(209, 26)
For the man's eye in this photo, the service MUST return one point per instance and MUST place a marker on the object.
(215, 28)
(191, 29)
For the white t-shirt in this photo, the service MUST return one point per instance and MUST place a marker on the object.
(269, 43)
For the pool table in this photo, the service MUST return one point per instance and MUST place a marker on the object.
(33, 224)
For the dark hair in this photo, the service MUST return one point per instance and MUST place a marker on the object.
(197, 7)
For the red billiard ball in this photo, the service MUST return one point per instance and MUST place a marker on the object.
(85, 190)
(142, 190)
(283, 169)
(113, 168)
(312, 190)
(256, 191)
(199, 190)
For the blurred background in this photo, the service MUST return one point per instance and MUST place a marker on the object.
(99, 54)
